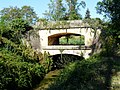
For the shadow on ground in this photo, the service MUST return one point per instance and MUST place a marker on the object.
(61, 61)
(95, 73)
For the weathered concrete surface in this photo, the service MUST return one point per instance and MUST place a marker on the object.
(51, 37)
(88, 33)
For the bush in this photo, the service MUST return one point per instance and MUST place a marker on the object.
(94, 73)
(17, 73)
(27, 53)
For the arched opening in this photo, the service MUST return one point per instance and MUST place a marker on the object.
(66, 59)
(66, 39)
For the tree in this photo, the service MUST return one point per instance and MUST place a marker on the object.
(10, 13)
(67, 11)
(56, 10)
(14, 30)
(73, 9)
(25, 13)
(3, 27)
(111, 10)
(29, 14)
(87, 14)
(16, 21)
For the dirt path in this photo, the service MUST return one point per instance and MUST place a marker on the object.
(49, 78)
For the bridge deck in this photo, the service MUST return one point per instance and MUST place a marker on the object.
(66, 47)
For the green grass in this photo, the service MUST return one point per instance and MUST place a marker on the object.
(74, 40)
(95, 73)
(48, 79)
(116, 81)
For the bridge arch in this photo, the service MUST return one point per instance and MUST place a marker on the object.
(61, 61)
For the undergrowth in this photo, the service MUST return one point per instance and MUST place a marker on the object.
(19, 69)
(94, 73)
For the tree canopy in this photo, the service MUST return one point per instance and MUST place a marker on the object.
(26, 13)
(56, 10)
(87, 14)
(111, 10)
(16, 21)
(74, 9)
(70, 10)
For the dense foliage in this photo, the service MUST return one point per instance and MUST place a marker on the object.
(26, 13)
(14, 29)
(20, 67)
(95, 73)
(111, 10)
(16, 73)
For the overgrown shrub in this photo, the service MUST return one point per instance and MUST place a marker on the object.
(16, 74)
(94, 73)
(47, 62)
(26, 52)
(19, 69)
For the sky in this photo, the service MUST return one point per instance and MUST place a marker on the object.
(40, 6)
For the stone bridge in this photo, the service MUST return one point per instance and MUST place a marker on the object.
(50, 39)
